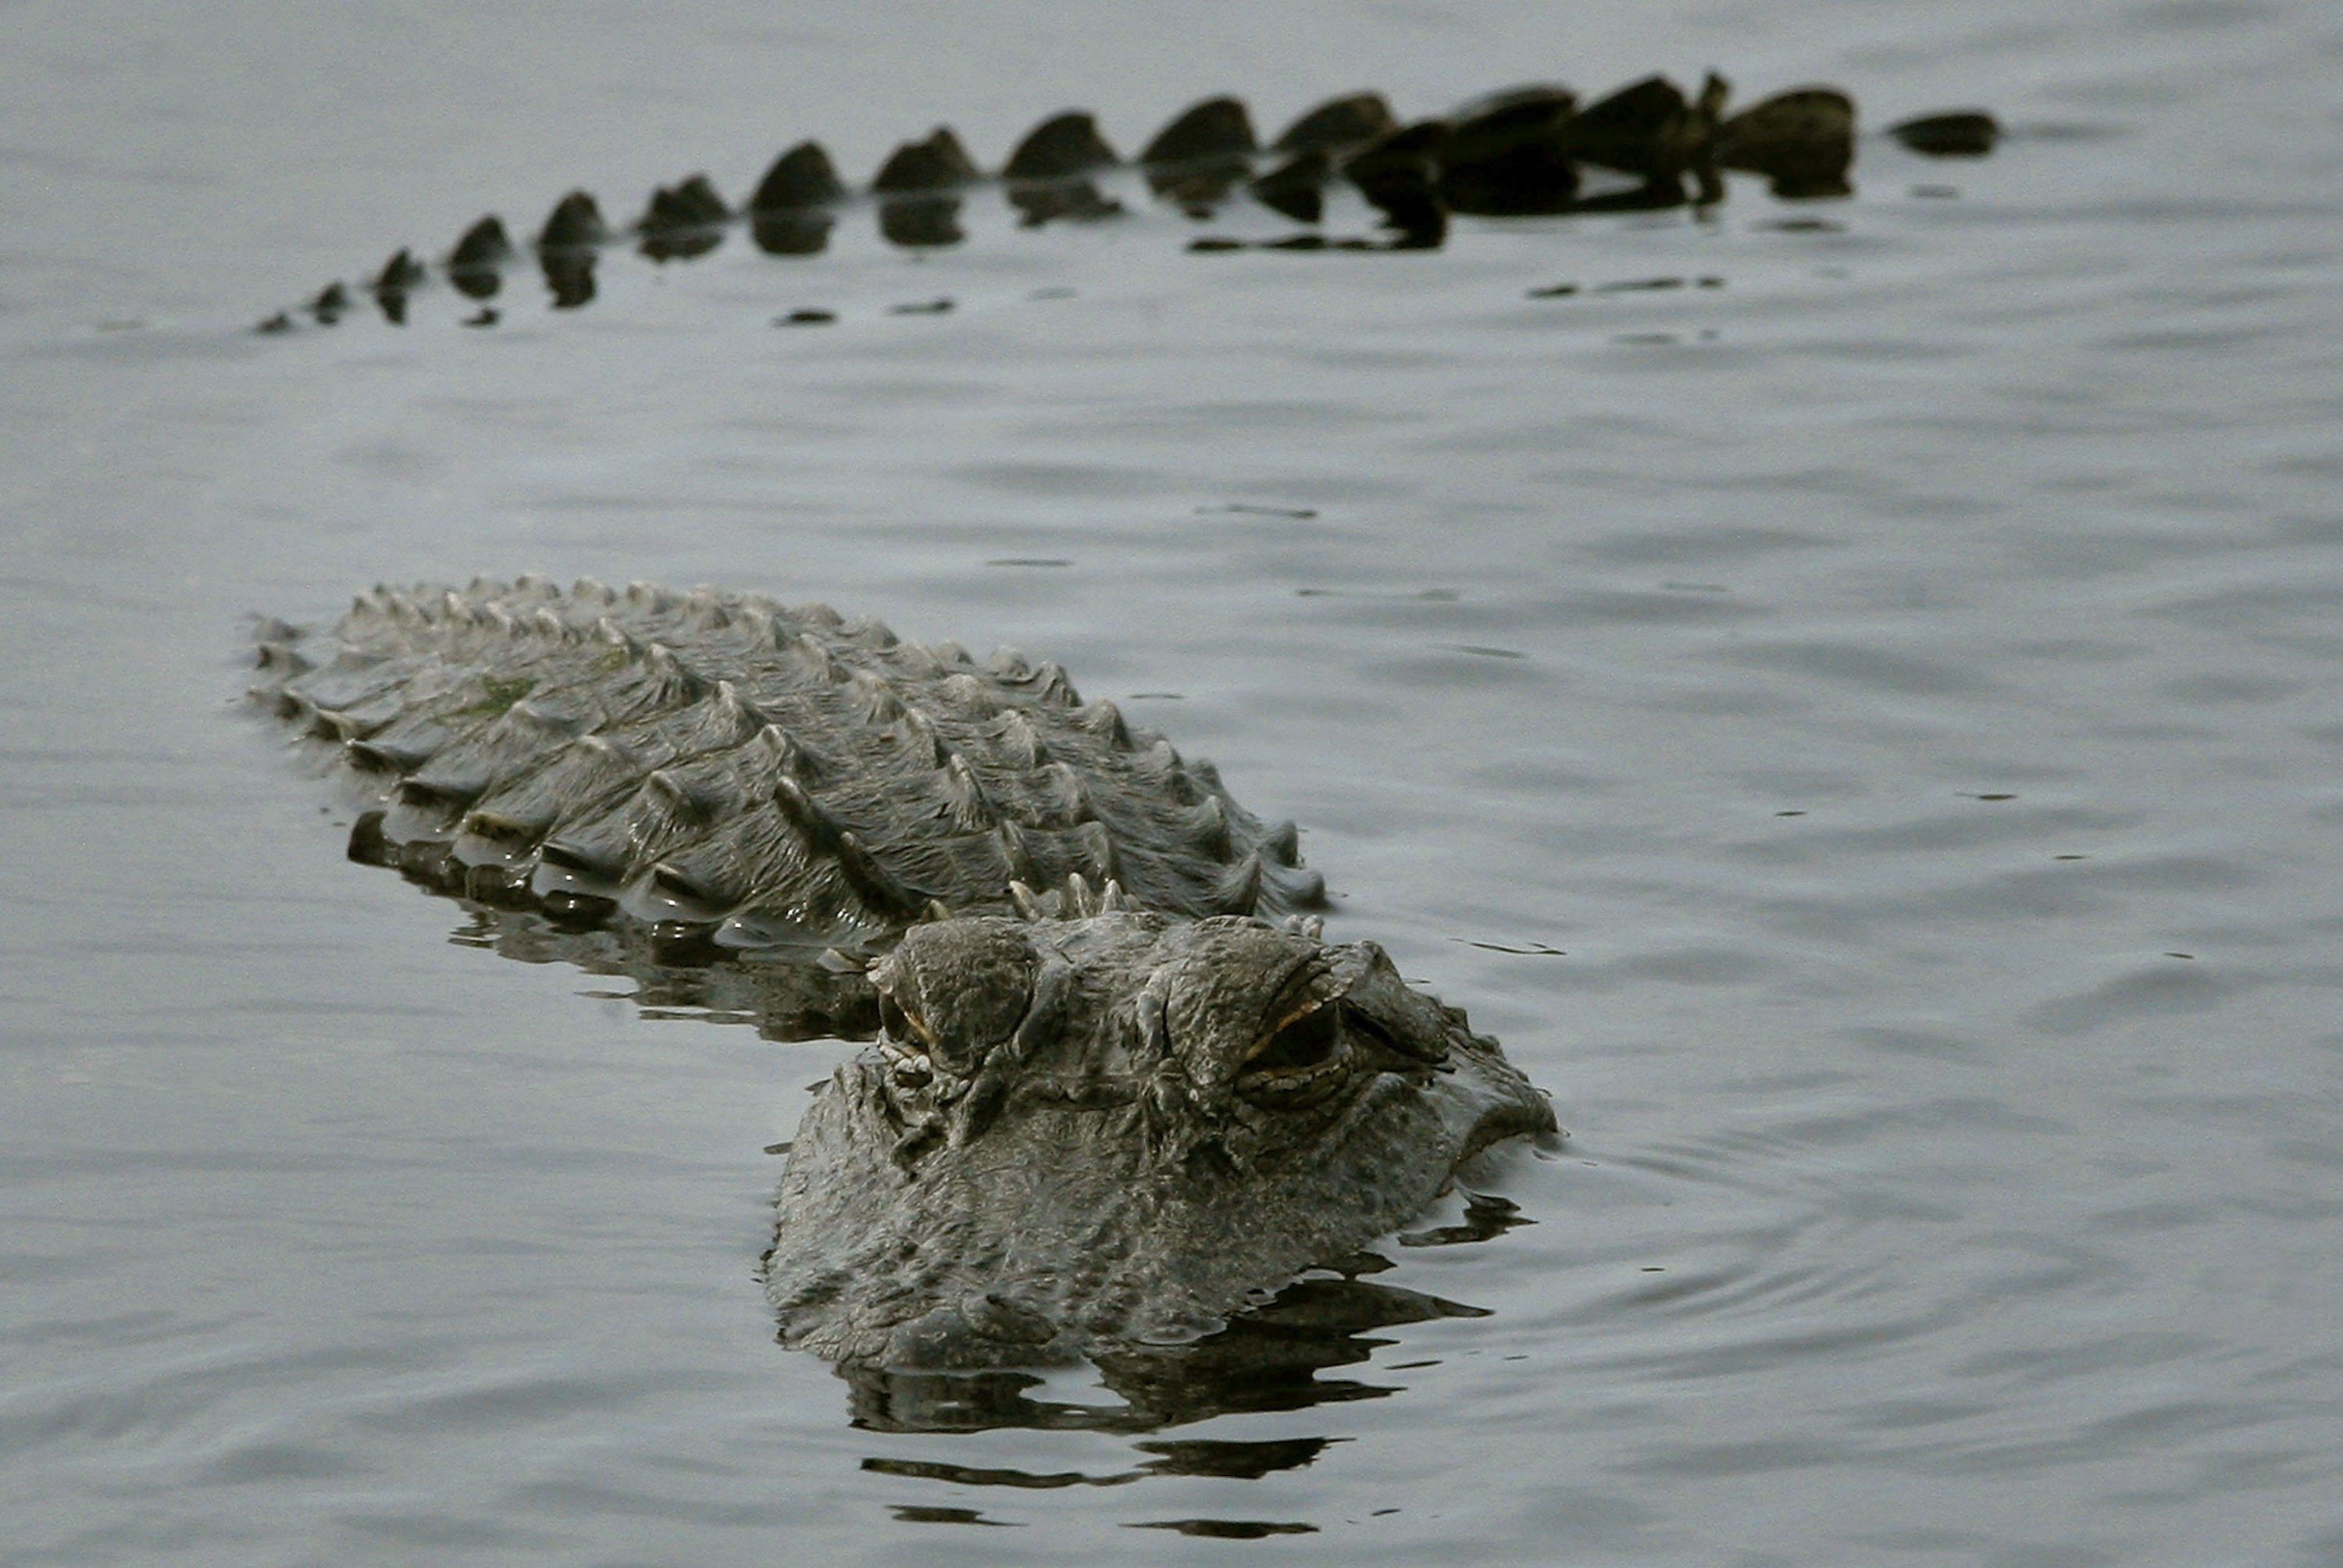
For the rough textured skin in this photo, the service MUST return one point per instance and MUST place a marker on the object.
(715, 764)
(1117, 1129)
(1092, 1119)
(1514, 152)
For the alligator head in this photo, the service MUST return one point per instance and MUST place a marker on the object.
(1072, 1133)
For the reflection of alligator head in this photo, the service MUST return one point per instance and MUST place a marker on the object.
(1117, 1129)
(1517, 152)
(1092, 1121)
(1275, 1356)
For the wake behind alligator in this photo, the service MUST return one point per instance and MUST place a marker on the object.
(1533, 150)
(1120, 1091)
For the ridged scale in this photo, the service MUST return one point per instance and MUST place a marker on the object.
(774, 776)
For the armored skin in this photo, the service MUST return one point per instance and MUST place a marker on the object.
(1512, 153)
(1113, 1099)
(717, 765)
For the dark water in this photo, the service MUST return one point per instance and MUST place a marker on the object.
(1863, 734)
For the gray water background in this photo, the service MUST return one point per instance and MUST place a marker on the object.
(1900, 683)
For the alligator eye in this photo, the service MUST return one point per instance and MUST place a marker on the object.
(900, 1023)
(1298, 1044)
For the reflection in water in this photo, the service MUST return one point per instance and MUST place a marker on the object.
(1268, 1359)
(1050, 201)
(1233, 1461)
(1219, 1458)
(912, 1513)
(1296, 188)
(977, 1475)
(568, 276)
(917, 223)
(1486, 1217)
(786, 996)
(791, 233)
(1527, 151)
(1227, 1528)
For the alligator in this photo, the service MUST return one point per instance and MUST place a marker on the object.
(1122, 1087)
(1530, 150)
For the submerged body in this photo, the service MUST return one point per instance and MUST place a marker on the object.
(1091, 1117)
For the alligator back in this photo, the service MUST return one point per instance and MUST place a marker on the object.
(717, 766)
